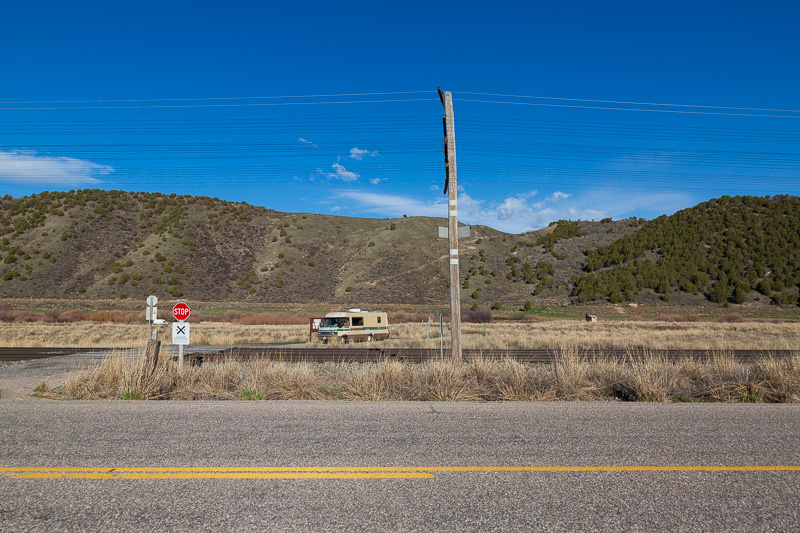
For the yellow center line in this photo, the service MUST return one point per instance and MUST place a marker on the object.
(352, 472)
(221, 475)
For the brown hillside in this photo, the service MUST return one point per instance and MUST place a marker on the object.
(93, 244)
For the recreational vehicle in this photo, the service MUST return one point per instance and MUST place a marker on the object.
(354, 325)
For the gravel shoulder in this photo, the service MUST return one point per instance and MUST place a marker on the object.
(19, 378)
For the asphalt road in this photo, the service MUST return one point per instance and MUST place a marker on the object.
(274, 466)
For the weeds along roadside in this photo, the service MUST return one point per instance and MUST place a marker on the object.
(643, 376)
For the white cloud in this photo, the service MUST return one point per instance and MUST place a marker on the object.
(375, 181)
(394, 205)
(342, 173)
(512, 207)
(358, 155)
(339, 172)
(335, 208)
(301, 140)
(28, 167)
(517, 214)
(621, 204)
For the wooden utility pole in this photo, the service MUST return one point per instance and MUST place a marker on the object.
(451, 189)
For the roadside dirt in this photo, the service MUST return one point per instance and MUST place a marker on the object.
(19, 378)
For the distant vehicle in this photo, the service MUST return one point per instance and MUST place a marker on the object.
(354, 325)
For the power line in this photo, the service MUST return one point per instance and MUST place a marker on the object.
(425, 118)
(486, 146)
(252, 104)
(618, 183)
(634, 103)
(385, 93)
(212, 98)
(678, 111)
(480, 143)
(379, 119)
(315, 127)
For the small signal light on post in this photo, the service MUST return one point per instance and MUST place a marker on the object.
(180, 311)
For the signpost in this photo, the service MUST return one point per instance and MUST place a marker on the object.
(180, 329)
(151, 313)
(153, 344)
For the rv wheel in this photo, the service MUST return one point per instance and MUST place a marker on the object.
(344, 340)
(369, 338)
(324, 340)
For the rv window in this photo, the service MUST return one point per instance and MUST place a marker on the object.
(358, 320)
(379, 320)
(335, 322)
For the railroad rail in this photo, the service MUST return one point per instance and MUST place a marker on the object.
(22, 354)
(525, 355)
(411, 355)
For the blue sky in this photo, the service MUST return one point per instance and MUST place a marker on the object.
(553, 104)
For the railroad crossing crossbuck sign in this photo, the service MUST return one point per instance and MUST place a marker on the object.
(180, 333)
(180, 311)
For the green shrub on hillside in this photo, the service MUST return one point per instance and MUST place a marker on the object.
(565, 229)
(722, 248)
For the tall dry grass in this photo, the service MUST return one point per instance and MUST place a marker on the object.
(112, 335)
(574, 377)
(638, 335)
(121, 377)
(655, 335)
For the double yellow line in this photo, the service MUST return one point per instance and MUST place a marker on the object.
(357, 472)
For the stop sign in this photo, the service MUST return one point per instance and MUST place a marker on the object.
(180, 311)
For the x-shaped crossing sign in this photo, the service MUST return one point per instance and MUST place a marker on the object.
(180, 333)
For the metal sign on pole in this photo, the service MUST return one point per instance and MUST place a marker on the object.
(463, 232)
(181, 311)
(180, 329)
(153, 344)
(180, 337)
(151, 313)
(180, 333)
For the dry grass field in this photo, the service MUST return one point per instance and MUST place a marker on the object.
(623, 335)
(572, 378)
(648, 377)
(652, 335)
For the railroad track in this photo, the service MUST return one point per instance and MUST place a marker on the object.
(411, 355)
(22, 354)
(417, 355)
